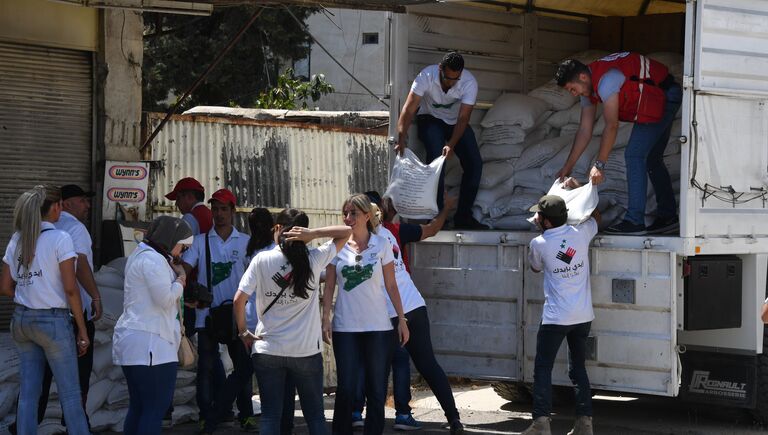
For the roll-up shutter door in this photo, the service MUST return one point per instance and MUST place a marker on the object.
(46, 110)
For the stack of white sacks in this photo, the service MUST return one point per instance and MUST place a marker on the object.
(107, 402)
(526, 140)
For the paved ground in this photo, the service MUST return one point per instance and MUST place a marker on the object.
(484, 412)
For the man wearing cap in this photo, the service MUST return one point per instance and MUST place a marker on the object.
(632, 88)
(444, 96)
(562, 253)
(189, 195)
(227, 248)
(76, 205)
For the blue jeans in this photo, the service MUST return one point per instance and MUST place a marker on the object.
(150, 392)
(419, 349)
(370, 352)
(434, 133)
(548, 341)
(279, 377)
(210, 373)
(645, 155)
(40, 336)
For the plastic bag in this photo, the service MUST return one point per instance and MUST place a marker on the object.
(581, 202)
(413, 186)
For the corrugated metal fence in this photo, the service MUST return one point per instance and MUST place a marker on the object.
(269, 163)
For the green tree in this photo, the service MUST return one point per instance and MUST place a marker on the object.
(178, 48)
(291, 93)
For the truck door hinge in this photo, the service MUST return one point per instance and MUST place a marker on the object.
(686, 269)
(687, 81)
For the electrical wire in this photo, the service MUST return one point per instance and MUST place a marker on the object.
(304, 27)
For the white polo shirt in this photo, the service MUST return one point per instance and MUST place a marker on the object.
(443, 105)
(227, 264)
(81, 239)
(40, 287)
(562, 253)
(361, 301)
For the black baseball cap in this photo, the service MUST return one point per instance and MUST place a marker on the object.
(551, 206)
(73, 191)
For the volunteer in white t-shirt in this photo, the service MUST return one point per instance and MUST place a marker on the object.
(148, 332)
(75, 207)
(562, 253)
(444, 96)
(39, 274)
(362, 331)
(286, 345)
(227, 248)
(419, 346)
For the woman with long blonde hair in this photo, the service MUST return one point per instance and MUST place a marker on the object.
(363, 336)
(39, 274)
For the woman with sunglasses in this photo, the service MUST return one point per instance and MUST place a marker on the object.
(148, 333)
(361, 330)
(39, 274)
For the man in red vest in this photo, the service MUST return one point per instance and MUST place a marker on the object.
(189, 195)
(632, 88)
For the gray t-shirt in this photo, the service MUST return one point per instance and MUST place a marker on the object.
(292, 326)
(610, 83)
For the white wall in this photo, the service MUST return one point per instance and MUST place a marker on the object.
(340, 31)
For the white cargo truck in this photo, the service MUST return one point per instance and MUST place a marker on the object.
(674, 316)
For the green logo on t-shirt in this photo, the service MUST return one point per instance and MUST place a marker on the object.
(443, 106)
(356, 275)
(221, 271)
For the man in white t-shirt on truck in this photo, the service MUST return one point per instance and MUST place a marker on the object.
(444, 95)
(562, 253)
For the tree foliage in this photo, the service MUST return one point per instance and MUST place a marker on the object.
(291, 93)
(178, 49)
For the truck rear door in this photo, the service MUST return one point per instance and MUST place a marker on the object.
(473, 284)
(725, 102)
(632, 345)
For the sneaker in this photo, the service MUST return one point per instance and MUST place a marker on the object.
(249, 424)
(626, 228)
(167, 422)
(469, 224)
(357, 420)
(456, 428)
(664, 226)
(406, 422)
(540, 426)
(582, 426)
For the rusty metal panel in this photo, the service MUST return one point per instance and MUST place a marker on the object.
(270, 164)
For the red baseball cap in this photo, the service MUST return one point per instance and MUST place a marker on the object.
(188, 183)
(224, 196)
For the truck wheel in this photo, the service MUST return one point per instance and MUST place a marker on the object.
(761, 411)
(515, 392)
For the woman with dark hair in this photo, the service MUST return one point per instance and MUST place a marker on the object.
(148, 332)
(39, 274)
(363, 336)
(286, 342)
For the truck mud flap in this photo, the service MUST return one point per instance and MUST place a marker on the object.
(719, 379)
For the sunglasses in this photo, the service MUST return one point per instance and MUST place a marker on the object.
(358, 259)
(450, 79)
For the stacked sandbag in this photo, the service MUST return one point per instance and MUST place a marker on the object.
(527, 140)
(107, 402)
